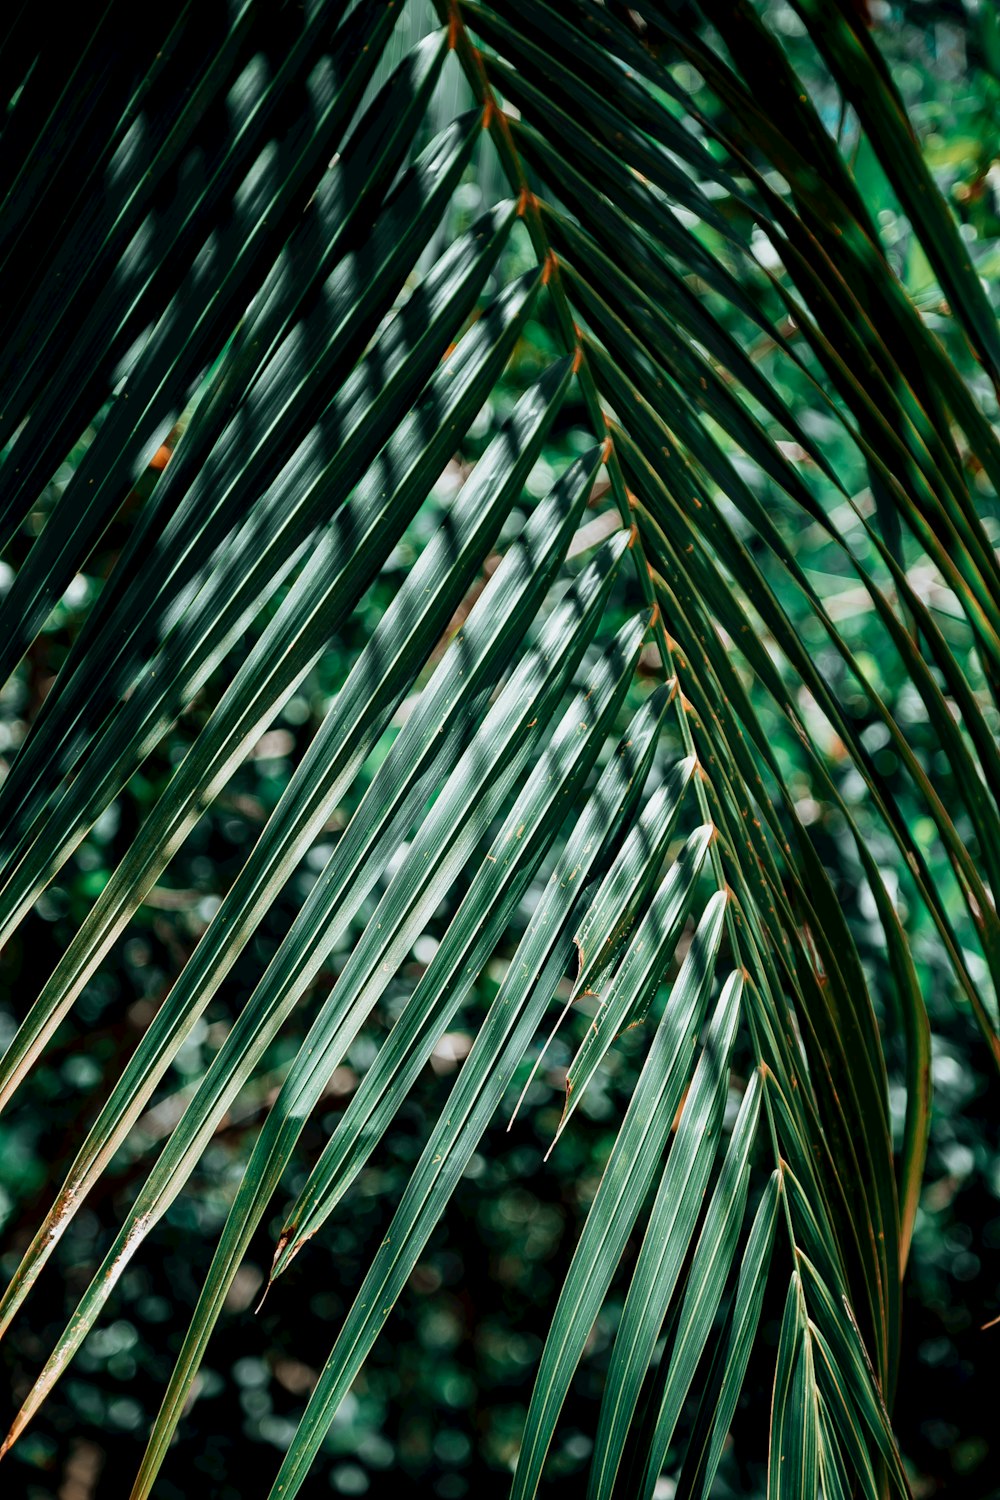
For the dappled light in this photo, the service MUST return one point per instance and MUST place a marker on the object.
(499, 776)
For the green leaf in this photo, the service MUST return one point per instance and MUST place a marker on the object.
(629, 992)
(710, 1267)
(475, 791)
(387, 666)
(793, 1459)
(633, 1163)
(675, 1213)
(338, 570)
(506, 1031)
(445, 986)
(250, 324)
(742, 1332)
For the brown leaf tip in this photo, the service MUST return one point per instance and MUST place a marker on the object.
(579, 958)
(284, 1240)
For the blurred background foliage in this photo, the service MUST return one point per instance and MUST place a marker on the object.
(441, 1400)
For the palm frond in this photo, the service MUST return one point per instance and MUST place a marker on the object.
(231, 286)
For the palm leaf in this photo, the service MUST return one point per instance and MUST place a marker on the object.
(244, 306)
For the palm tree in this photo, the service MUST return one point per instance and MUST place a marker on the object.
(243, 260)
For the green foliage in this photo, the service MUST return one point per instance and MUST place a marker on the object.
(521, 550)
